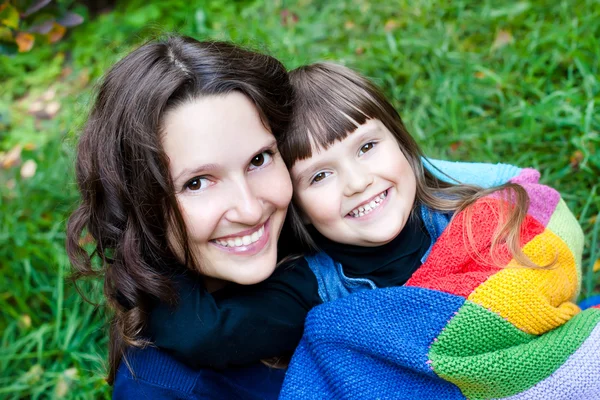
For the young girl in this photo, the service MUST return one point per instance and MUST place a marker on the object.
(489, 259)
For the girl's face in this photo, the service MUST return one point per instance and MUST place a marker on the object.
(359, 191)
(232, 186)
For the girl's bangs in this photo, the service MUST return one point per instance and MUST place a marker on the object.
(322, 117)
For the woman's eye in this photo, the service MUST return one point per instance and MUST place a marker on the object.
(366, 147)
(320, 176)
(198, 183)
(261, 160)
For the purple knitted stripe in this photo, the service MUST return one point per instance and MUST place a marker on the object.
(578, 378)
(542, 199)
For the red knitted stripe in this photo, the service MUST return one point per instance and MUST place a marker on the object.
(453, 267)
(598, 306)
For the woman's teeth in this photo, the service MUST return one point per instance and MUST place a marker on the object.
(370, 206)
(242, 240)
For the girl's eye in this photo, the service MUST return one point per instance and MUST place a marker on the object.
(366, 147)
(198, 183)
(319, 177)
(260, 160)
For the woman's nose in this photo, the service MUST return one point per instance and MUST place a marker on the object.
(245, 208)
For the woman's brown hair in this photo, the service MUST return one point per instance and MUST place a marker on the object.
(127, 197)
(330, 100)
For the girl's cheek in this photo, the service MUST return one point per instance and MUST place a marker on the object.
(321, 206)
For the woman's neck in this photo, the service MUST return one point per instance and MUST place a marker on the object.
(213, 284)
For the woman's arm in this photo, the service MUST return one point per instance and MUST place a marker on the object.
(239, 324)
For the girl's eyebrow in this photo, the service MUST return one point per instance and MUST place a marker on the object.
(355, 137)
(309, 171)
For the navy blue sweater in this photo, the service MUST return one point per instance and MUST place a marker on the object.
(159, 376)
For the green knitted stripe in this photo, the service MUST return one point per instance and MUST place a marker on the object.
(487, 357)
(565, 226)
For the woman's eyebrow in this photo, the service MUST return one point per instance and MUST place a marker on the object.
(211, 167)
(270, 146)
(196, 170)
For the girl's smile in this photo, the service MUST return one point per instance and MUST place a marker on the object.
(370, 208)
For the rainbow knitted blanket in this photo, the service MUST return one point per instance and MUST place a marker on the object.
(462, 327)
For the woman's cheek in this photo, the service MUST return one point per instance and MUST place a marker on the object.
(201, 217)
(276, 186)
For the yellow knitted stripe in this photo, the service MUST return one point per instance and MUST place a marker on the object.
(532, 299)
(564, 224)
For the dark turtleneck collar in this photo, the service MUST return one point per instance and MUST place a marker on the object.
(391, 264)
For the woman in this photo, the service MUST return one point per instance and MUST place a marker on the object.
(185, 194)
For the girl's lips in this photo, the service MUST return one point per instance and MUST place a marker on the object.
(375, 211)
(252, 248)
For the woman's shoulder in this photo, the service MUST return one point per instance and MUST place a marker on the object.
(154, 374)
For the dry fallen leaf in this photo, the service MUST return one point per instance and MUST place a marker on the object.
(25, 321)
(349, 24)
(28, 169)
(502, 39)
(52, 108)
(24, 41)
(390, 25)
(49, 94)
(56, 33)
(29, 146)
(597, 265)
(71, 374)
(36, 107)
(11, 184)
(86, 239)
(479, 75)
(12, 158)
(454, 146)
(576, 159)
(61, 389)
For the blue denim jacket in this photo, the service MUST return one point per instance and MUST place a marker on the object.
(332, 281)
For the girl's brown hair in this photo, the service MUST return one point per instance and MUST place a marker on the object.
(127, 196)
(329, 100)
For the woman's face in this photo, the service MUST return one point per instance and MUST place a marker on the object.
(232, 186)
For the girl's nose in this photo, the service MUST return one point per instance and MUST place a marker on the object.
(357, 178)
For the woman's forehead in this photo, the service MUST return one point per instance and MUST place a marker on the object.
(214, 131)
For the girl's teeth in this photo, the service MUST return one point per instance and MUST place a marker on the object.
(367, 208)
(242, 241)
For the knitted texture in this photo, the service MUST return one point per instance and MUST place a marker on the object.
(467, 324)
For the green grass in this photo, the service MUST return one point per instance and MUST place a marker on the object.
(533, 102)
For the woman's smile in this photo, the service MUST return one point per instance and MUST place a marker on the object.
(247, 243)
